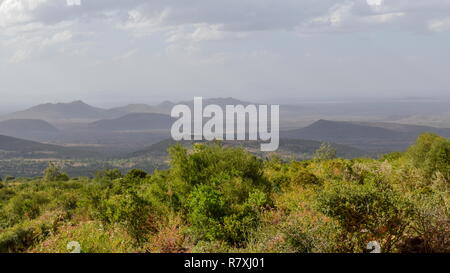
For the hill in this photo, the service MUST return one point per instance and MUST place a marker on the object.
(141, 108)
(373, 137)
(11, 147)
(76, 110)
(408, 128)
(289, 148)
(133, 122)
(26, 125)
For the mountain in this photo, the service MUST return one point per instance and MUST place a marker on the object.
(26, 125)
(298, 149)
(11, 147)
(326, 130)
(76, 110)
(372, 137)
(222, 102)
(166, 106)
(408, 128)
(134, 122)
(33, 129)
(141, 108)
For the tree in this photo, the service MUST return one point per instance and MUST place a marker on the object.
(367, 212)
(109, 175)
(53, 173)
(325, 152)
(431, 153)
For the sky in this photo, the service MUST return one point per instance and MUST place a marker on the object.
(111, 52)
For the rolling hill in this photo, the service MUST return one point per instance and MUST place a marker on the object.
(134, 122)
(11, 147)
(372, 137)
(26, 125)
(76, 110)
(289, 148)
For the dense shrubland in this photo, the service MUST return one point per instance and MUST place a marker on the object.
(215, 199)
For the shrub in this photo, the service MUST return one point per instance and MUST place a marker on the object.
(207, 208)
(127, 209)
(136, 174)
(304, 177)
(325, 152)
(431, 153)
(53, 173)
(22, 236)
(372, 211)
(9, 178)
(108, 175)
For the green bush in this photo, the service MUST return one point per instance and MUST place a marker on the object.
(325, 152)
(431, 153)
(304, 177)
(207, 208)
(371, 211)
(222, 190)
(108, 175)
(217, 199)
(52, 173)
(21, 237)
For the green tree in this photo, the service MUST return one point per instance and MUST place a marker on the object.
(53, 173)
(108, 175)
(371, 211)
(431, 153)
(325, 152)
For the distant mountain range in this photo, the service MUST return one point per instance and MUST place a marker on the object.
(82, 112)
(123, 129)
(76, 110)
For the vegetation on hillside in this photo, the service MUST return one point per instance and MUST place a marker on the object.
(217, 199)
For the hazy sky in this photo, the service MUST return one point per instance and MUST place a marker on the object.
(119, 51)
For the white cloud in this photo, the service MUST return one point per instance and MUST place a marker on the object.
(386, 17)
(439, 25)
(17, 11)
(73, 2)
(127, 55)
(337, 15)
(375, 2)
(59, 37)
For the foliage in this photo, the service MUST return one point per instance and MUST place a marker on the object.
(109, 175)
(325, 152)
(53, 173)
(218, 199)
(372, 211)
(431, 153)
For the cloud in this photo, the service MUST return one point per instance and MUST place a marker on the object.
(439, 25)
(73, 2)
(125, 56)
(32, 25)
(142, 17)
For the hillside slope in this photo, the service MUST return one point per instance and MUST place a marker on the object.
(76, 110)
(372, 137)
(289, 148)
(135, 121)
(11, 147)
